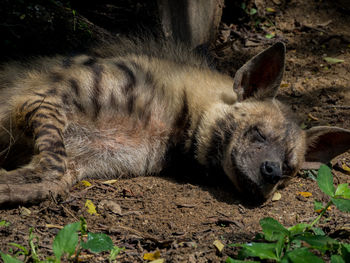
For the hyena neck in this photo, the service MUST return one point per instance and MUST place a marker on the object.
(204, 93)
(213, 136)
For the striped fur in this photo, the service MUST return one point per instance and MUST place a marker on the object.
(122, 109)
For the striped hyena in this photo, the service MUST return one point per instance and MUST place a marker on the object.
(124, 108)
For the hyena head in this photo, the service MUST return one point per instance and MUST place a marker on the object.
(257, 141)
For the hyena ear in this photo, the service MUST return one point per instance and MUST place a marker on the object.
(261, 76)
(323, 144)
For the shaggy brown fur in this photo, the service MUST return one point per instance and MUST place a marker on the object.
(120, 110)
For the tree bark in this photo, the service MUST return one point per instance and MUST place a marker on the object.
(194, 22)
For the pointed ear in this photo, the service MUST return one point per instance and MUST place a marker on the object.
(323, 144)
(262, 75)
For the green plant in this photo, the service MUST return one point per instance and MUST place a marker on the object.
(114, 253)
(249, 11)
(67, 244)
(302, 242)
(4, 223)
(74, 19)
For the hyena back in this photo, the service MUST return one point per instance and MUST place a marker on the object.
(121, 113)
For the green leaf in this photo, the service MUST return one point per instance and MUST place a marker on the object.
(66, 240)
(347, 247)
(322, 243)
(9, 259)
(97, 243)
(269, 36)
(114, 252)
(337, 259)
(279, 246)
(298, 229)
(310, 173)
(83, 226)
(345, 252)
(303, 255)
(325, 180)
(342, 204)
(296, 244)
(343, 191)
(4, 223)
(231, 260)
(318, 205)
(253, 11)
(25, 251)
(260, 250)
(318, 231)
(272, 229)
(333, 60)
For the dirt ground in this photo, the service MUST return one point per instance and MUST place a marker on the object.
(183, 217)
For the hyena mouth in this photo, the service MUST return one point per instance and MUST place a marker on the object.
(251, 191)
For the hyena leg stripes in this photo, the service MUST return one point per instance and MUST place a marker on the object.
(40, 120)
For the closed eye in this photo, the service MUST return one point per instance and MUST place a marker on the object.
(258, 135)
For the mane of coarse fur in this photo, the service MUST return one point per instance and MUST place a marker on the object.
(154, 48)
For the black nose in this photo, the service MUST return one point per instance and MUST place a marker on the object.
(271, 172)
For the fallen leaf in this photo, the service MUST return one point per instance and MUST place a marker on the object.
(85, 257)
(253, 11)
(24, 211)
(186, 205)
(319, 210)
(152, 256)
(305, 194)
(270, 10)
(53, 226)
(91, 208)
(225, 34)
(312, 117)
(277, 2)
(249, 43)
(127, 192)
(160, 260)
(345, 167)
(219, 246)
(110, 181)
(276, 196)
(284, 85)
(333, 60)
(86, 183)
(111, 206)
(269, 36)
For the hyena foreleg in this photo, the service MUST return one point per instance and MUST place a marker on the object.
(41, 120)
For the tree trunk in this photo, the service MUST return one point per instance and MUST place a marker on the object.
(194, 22)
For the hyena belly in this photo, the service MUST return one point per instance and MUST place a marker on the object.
(116, 146)
(119, 121)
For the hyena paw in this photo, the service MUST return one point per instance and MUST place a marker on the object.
(14, 194)
(25, 176)
(23, 188)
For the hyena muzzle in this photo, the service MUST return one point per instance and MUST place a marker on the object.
(124, 108)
